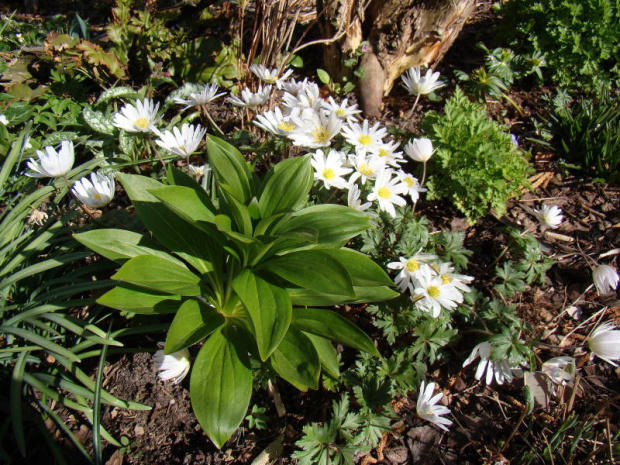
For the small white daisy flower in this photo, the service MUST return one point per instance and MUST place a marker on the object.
(197, 171)
(354, 201)
(52, 163)
(432, 294)
(204, 95)
(275, 122)
(96, 192)
(366, 167)
(294, 87)
(182, 142)
(307, 98)
(416, 84)
(343, 111)
(446, 272)
(605, 279)
(605, 343)
(387, 192)
(251, 99)
(364, 138)
(410, 268)
(330, 169)
(412, 183)
(270, 76)
(388, 151)
(141, 117)
(314, 130)
(172, 367)
(427, 409)
(549, 216)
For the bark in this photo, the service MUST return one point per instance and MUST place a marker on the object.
(400, 33)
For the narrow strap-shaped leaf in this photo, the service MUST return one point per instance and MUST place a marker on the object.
(42, 266)
(14, 155)
(97, 450)
(221, 385)
(48, 345)
(16, 402)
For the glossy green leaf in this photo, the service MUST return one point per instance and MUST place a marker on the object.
(312, 269)
(238, 211)
(333, 326)
(221, 385)
(119, 245)
(174, 232)
(194, 321)
(185, 201)
(159, 275)
(286, 186)
(361, 268)
(310, 297)
(296, 360)
(269, 307)
(230, 168)
(327, 354)
(336, 224)
(132, 299)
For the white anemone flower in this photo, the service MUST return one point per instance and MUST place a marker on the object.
(203, 96)
(251, 99)
(605, 343)
(410, 268)
(427, 409)
(52, 163)
(172, 367)
(605, 279)
(141, 117)
(275, 122)
(330, 169)
(432, 294)
(96, 192)
(446, 272)
(182, 142)
(559, 369)
(314, 130)
(197, 171)
(294, 87)
(416, 84)
(500, 370)
(388, 151)
(364, 138)
(270, 76)
(387, 192)
(412, 183)
(3, 120)
(342, 110)
(307, 98)
(366, 167)
(419, 149)
(353, 199)
(549, 216)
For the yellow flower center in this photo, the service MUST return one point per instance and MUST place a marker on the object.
(383, 153)
(97, 196)
(340, 113)
(320, 135)
(384, 193)
(412, 265)
(286, 126)
(328, 173)
(445, 279)
(433, 291)
(409, 181)
(365, 170)
(142, 123)
(365, 139)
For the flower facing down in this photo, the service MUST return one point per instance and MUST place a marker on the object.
(174, 366)
(501, 370)
(549, 216)
(251, 99)
(416, 84)
(559, 369)
(605, 343)
(427, 409)
(419, 149)
(52, 163)
(96, 192)
(605, 279)
(182, 142)
(140, 117)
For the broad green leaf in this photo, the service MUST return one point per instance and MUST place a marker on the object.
(98, 121)
(230, 168)
(117, 92)
(176, 177)
(310, 297)
(336, 224)
(159, 275)
(334, 326)
(312, 269)
(238, 211)
(363, 271)
(286, 186)
(221, 385)
(327, 354)
(269, 307)
(296, 360)
(119, 245)
(185, 201)
(131, 299)
(174, 232)
(194, 321)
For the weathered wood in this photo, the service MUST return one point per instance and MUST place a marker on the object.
(401, 34)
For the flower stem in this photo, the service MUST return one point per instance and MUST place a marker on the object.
(410, 112)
